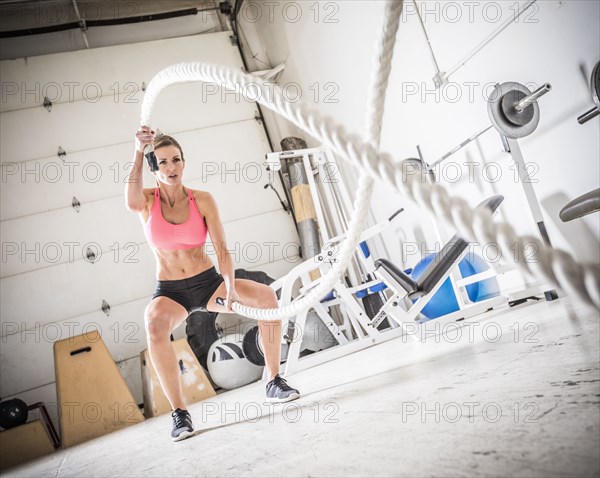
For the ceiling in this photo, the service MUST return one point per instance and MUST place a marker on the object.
(40, 27)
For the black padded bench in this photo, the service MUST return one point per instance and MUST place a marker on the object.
(436, 270)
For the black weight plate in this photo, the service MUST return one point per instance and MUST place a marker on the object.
(519, 118)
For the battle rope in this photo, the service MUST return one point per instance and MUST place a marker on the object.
(552, 265)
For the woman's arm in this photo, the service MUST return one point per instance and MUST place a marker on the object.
(134, 190)
(217, 236)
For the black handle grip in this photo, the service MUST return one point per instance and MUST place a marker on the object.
(152, 161)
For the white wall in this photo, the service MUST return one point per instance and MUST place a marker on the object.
(332, 53)
(50, 291)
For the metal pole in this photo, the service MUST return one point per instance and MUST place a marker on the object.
(82, 25)
(458, 148)
(439, 74)
(534, 204)
(512, 147)
(494, 34)
(525, 102)
(588, 115)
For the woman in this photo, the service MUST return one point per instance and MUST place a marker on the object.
(176, 222)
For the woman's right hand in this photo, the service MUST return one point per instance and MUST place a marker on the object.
(143, 136)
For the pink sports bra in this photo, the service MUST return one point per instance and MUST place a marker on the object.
(164, 235)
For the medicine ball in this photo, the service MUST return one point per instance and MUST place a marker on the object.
(201, 331)
(228, 366)
(13, 413)
(253, 348)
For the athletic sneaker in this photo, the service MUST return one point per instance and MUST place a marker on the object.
(279, 391)
(182, 425)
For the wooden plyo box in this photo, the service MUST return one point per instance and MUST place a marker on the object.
(24, 443)
(194, 382)
(93, 397)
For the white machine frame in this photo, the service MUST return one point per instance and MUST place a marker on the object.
(356, 331)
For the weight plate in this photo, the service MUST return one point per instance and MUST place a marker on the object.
(518, 118)
(251, 347)
(498, 118)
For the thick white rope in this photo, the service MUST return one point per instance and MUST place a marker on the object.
(554, 266)
(382, 60)
(255, 89)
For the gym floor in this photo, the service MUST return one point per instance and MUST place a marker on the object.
(511, 393)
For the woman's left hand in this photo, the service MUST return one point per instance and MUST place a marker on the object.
(232, 296)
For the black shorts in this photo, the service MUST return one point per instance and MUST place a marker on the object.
(192, 293)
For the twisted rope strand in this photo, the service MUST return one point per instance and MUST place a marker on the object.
(374, 118)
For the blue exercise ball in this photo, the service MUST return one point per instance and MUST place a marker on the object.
(487, 288)
(444, 300)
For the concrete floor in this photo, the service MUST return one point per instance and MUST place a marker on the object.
(517, 394)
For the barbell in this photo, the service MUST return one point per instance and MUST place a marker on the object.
(513, 108)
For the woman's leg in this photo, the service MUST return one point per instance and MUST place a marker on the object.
(162, 316)
(255, 294)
